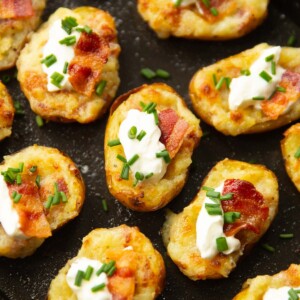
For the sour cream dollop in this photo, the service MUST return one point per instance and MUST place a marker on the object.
(278, 294)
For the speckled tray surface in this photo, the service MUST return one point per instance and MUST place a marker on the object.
(29, 278)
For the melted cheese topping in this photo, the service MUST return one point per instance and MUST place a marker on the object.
(84, 291)
(278, 294)
(147, 148)
(209, 228)
(244, 88)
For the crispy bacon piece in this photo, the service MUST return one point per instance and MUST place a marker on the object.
(91, 53)
(246, 200)
(122, 283)
(16, 9)
(31, 211)
(276, 106)
(173, 130)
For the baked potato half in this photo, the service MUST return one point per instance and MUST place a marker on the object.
(7, 112)
(44, 172)
(96, 58)
(179, 231)
(207, 20)
(146, 270)
(211, 102)
(150, 195)
(18, 20)
(255, 288)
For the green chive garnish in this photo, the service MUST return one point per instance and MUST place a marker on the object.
(273, 67)
(121, 158)
(56, 79)
(85, 29)
(100, 87)
(49, 202)
(111, 271)
(38, 180)
(63, 196)
(66, 65)
(125, 172)
(213, 194)
(19, 179)
(281, 89)
(88, 273)
(291, 41)
(286, 235)
(150, 107)
(16, 197)
(221, 244)
(227, 81)
(269, 58)
(68, 24)
(156, 120)
(132, 160)
(213, 209)
(206, 3)
(297, 153)
(264, 75)
(148, 73)
(231, 216)
(141, 135)
(68, 41)
(207, 188)
(98, 287)
(6, 78)
(214, 11)
(165, 155)
(78, 278)
(18, 108)
(268, 247)
(21, 167)
(49, 60)
(104, 205)
(245, 72)
(227, 196)
(149, 175)
(258, 98)
(33, 169)
(162, 74)
(139, 176)
(293, 294)
(113, 143)
(132, 132)
(39, 121)
(220, 83)
(215, 81)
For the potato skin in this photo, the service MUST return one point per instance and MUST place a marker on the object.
(68, 106)
(7, 112)
(289, 146)
(179, 231)
(52, 166)
(150, 274)
(165, 19)
(149, 196)
(255, 288)
(14, 34)
(212, 105)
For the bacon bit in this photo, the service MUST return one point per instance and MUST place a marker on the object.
(31, 211)
(122, 283)
(91, 53)
(16, 9)
(276, 106)
(173, 130)
(62, 185)
(246, 200)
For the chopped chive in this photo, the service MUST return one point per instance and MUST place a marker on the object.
(297, 153)
(125, 172)
(132, 132)
(98, 287)
(293, 294)
(258, 98)
(14, 194)
(286, 235)
(265, 76)
(68, 24)
(68, 41)
(49, 60)
(165, 155)
(215, 81)
(231, 216)
(39, 121)
(17, 197)
(113, 143)
(19, 179)
(56, 79)
(100, 87)
(85, 29)
(121, 158)
(207, 188)
(79, 277)
(101, 270)
(156, 120)
(49, 202)
(88, 273)
(133, 159)
(269, 58)
(148, 73)
(63, 196)
(214, 11)
(149, 108)
(33, 169)
(104, 205)
(221, 244)
(111, 271)
(18, 108)
(143, 105)
(6, 78)
(162, 74)
(109, 266)
(206, 3)
(149, 175)
(213, 209)
(273, 67)
(227, 81)
(177, 3)
(21, 167)
(281, 89)
(220, 83)
(38, 180)
(213, 194)
(66, 66)
(56, 199)
(139, 176)
(268, 247)
(291, 41)
(227, 196)
(141, 135)
(245, 72)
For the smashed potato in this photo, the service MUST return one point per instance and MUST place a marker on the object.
(44, 170)
(15, 27)
(211, 104)
(7, 112)
(222, 20)
(108, 244)
(147, 195)
(179, 231)
(255, 288)
(69, 105)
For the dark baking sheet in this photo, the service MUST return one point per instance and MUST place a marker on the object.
(29, 278)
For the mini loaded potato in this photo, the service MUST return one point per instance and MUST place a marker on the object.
(149, 140)
(18, 18)
(290, 147)
(254, 91)
(41, 190)
(69, 69)
(132, 268)
(6, 112)
(283, 285)
(199, 19)
(233, 209)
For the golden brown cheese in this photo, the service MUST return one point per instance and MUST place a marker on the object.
(53, 167)
(212, 104)
(103, 244)
(235, 18)
(179, 231)
(69, 105)
(14, 33)
(149, 196)
(255, 288)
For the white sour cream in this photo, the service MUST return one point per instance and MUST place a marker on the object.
(209, 228)
(9, 217)
(84, 292)
(185, 2)
(244, 88)
(146, 148)
(63, 54)
(278, 294)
